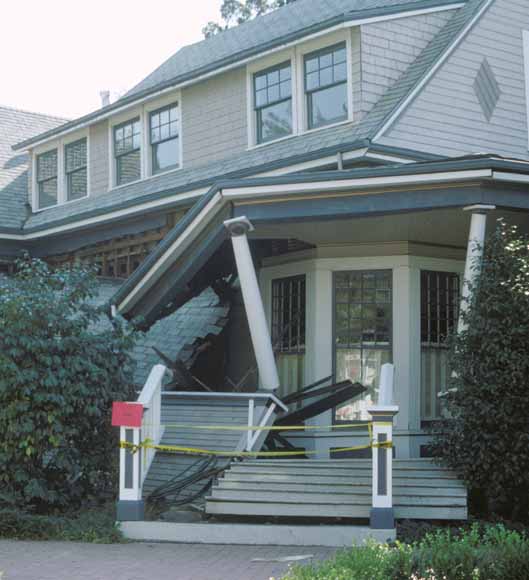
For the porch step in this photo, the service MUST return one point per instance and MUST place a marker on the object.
(178, 416)
(332, 488)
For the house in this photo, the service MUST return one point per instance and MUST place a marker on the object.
(342, 160)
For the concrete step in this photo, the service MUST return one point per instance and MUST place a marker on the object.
(283, 510)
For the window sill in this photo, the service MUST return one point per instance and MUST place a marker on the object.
(299, 134)
(60, 204)
(147, 178)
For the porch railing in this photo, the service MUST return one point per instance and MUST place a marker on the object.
(134, 465)
(382, 516)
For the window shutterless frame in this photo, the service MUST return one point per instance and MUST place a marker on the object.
(272, 97)
(361, 345)
(325, 78)
(47, 179)
(76, 169)
(127, 151)
(164, 138)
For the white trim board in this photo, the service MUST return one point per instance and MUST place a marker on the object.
(525, 38)
(243, 62)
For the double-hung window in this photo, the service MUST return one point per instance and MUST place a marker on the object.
(165, 139)
(127, 142)
(75, 164)
(326, 86)
(273, 103)
(47, 182)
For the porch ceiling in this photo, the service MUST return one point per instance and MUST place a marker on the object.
(441, 227)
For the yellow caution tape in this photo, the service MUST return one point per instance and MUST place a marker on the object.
(184, 426)
(147, 444)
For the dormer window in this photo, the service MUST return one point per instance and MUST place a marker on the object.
(47, 183)
(75, 165)
(165, 139)
(326, 86)
(273, 103)
(127, 142)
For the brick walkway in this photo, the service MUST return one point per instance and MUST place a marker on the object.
(141, 561)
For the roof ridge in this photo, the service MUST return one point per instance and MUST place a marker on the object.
(27, 112)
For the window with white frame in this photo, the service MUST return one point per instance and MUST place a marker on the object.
(362, 334)
(439, 314)
(127, 151)
(273, 102)
(325, 78)
(75, 166)
(47, 182)
(165, 138)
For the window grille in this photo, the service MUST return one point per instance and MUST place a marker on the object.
(47, 179)
(165, 138)
(75, 159)
(127, 141)
(273, 102)
(326, 86)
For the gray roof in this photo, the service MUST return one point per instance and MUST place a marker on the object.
(297, 149)
(289, 23)
(175, 335)
(14, 126)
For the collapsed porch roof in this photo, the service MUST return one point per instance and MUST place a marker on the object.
(194, 253)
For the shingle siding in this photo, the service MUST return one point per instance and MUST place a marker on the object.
(388, 48)
(99, 160)
(446, 117)
(214, 119)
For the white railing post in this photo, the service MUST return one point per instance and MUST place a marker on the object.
(382, 516)
(249, 435)
(134, 465)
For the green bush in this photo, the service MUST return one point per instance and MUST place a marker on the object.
(95, 526)
(487, 438)
(60, 370)
(493, 553)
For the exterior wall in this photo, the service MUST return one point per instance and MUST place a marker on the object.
(214, 119)
(446, 117)
(99, 159)
(406, 346)
(388, 48)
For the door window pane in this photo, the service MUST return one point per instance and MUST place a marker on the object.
(362, 330)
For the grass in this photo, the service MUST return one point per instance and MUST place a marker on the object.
(94, 525)
(487, 553)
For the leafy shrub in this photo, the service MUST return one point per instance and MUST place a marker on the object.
(60, 370)
(494, 553)
(94, 526)
(487, 438)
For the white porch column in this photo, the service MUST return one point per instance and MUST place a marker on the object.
(476, 240)
(253, 303)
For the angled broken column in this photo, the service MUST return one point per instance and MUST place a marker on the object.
(253, 303)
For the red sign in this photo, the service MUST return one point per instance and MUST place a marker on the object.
(127, 414)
